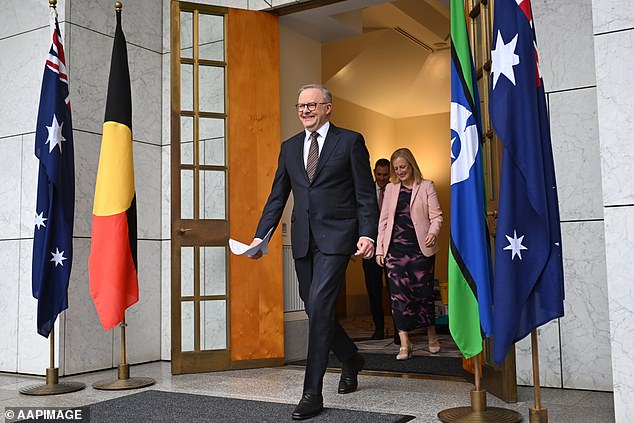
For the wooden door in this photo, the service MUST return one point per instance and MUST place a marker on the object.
(226, 311)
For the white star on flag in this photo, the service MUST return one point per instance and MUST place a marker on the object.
(503, 59)
(55, 137)
(58, 257)
(39, 220)
(451, 148)
(515, 245)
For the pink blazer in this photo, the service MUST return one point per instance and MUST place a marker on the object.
(424, 210)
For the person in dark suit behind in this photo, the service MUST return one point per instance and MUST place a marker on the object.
(373, 273)
(334, 216)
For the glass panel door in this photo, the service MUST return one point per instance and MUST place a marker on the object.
(200, 230)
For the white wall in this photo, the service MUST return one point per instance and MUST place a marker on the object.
(574, 350)
(614, 58)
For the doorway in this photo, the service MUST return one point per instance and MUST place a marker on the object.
(387, 64)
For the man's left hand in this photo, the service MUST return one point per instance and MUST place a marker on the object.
(365, 248)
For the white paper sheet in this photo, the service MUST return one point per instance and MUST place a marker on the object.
(239, 249)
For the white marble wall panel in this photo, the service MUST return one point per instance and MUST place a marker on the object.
(549, 357)
(139, 20)
(166, 109)
(575, 138)
(585, 327)
(9, 283)
(143, 331)
(147, 179)
(615, 97)
(88, 346)
(89, 68)
(22, 69)
(165, 193)
(166, 316)
(33, 349)
(146, 81)
(20, 16)
(619, 243)
(166, 26)
(564, 40)
(28, 185)
(87, 147)
(10, 169)
(612, 15)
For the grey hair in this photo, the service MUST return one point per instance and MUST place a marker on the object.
(324, 91)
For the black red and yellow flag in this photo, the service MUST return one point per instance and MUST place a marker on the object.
(112, 263)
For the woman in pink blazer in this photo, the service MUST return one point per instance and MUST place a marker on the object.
(406, 245)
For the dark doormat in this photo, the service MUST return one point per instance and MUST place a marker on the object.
(423, 365)
(163, 407)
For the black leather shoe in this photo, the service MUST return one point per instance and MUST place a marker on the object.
(309, 406)
(397, 339)
(349, 371)
(378, 334)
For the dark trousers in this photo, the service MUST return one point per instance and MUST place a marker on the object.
(320, 281)
(374, 284)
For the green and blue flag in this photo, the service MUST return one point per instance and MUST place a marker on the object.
(470, 270)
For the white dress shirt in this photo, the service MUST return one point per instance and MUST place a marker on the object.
(320, 140)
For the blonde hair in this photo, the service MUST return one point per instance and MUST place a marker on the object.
(406, 154)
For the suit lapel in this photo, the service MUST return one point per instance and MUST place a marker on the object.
(329, 145)
(297, 154)
(415, 189)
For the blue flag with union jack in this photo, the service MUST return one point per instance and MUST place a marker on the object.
(53, 240)
(528, 277)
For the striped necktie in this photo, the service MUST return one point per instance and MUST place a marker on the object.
(313, 156)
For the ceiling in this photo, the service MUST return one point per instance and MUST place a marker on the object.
(388, 56)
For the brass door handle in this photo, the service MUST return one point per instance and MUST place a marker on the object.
(183, 230)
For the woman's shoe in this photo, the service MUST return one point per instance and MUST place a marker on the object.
(434, 346)
(405, 353)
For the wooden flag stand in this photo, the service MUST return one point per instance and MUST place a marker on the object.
(52, 385)
(478, 411)
(123, 381)
(536, 414)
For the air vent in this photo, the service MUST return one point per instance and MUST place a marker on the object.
(413, 39)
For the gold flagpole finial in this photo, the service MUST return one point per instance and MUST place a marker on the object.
(52, 3)
(117, 6)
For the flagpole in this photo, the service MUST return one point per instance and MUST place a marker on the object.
(123, 380)
(537, 414)
(478, 412)
(52, 386)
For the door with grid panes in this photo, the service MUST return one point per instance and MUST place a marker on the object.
(226, 312)
(500, 381)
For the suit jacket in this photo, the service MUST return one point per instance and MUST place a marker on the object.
(424, 210)
(338, 206)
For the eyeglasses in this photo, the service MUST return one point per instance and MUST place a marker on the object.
(310, 106)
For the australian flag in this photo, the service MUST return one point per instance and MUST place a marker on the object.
(528, 276)
(53, 240)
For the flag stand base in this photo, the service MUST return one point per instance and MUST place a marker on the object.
(479, 412)
(123, 381)
(52, 385)
(538, 416)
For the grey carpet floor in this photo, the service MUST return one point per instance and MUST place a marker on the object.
(162, 407)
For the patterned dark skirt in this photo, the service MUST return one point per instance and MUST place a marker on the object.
(411, 281)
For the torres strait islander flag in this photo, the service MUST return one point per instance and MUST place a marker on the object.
(470, 271)
(113, 251)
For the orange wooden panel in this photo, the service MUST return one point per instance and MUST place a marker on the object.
(257, 303)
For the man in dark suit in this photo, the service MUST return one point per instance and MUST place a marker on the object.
(334, 216)
(373, 272)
